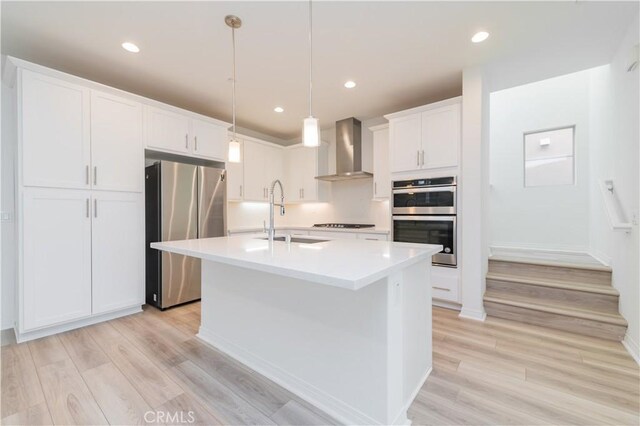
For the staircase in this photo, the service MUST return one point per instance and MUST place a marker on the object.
(573, 297)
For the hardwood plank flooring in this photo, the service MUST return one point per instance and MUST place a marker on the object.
(493, 372)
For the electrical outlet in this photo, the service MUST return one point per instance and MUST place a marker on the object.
(5, 216)
(634, 217)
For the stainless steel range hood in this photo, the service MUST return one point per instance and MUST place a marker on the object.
(348, 152)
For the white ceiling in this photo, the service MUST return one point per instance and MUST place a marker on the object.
(401, 54)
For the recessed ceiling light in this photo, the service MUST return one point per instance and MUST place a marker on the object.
(278, 109)
(130, 47)
(480, 36)
(350, 84)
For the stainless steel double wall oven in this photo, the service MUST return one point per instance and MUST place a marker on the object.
(424, 212)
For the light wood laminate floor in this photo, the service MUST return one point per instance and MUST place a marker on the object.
(496, 372)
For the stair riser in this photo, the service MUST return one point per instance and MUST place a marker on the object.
(584, 276)
(557, 321)
(570, 298)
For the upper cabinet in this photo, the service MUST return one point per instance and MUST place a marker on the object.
(235, 177)
(117, 156)
(262, 164)
(73, 137)
(54, 122)
(178, 133)
(381, 175)
(209, 140)
(166, 130)
(302, 166)
(426, 137)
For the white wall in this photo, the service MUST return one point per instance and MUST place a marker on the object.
(615, 95)
(351, 200)
(548, 217)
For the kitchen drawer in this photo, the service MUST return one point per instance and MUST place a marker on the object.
(294, 232)
(445, 283)
(334, 235)
(375, 237)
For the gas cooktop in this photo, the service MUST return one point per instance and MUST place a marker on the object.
(342, 225)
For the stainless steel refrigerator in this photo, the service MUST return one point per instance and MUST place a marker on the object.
(183, 201)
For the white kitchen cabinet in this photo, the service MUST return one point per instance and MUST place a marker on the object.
(427, 137)
(381, 174)
(56, 257)
(116, 143)
(303, 164)
(441, 136)
(445, 283)
(55, 135)
(406, 134)
(372, 236)
(209, 140)
(334, 235)
(235, 177)
(166, 130)
(117, 251)
(262, 164)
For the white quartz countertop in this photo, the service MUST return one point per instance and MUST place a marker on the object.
(349, 264)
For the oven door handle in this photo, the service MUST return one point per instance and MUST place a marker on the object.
(427, 218)
(414, 190)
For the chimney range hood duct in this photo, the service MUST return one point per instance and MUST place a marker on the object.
(348, 152)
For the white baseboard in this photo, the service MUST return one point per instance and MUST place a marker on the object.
(473, 314)
(557, 248)
(601, 257)
(446, 304)
(36, 334)
(332, 406)
(632, 347)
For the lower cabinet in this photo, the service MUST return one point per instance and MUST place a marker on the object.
(82, 254)
(56, 263)
(117, 251)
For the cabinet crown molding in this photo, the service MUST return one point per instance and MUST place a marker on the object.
(439, 104)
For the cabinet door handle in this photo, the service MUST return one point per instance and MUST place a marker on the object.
(241, 190)
(303, 193)
(422, 158)
(95, 207)
(375, 188)
(186, 140)
(86, 175)
(87, 207)
(418, 158)
(195, 139)
(95, 175)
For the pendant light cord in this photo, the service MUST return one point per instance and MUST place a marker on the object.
(310, 55)
(233, 81)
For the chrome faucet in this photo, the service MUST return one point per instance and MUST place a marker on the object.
(272, 230)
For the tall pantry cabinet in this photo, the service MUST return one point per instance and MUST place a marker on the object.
(80, 206)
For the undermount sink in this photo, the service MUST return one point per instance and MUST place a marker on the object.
(296, 240)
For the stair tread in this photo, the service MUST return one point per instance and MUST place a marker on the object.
(555, 283)
(534, 303)
(542, 262)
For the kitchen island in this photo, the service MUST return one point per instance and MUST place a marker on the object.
(344, 324)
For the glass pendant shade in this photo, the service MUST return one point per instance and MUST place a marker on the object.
(311, 132)
(234, 151)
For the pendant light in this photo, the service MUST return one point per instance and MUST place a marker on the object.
(310, 127)
(234, 145)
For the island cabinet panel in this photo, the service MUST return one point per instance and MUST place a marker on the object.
(56, 261)
(166, 130)
(235, 177)
(55, 132)
(209, 140)
(117, 251)
(116, 143)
